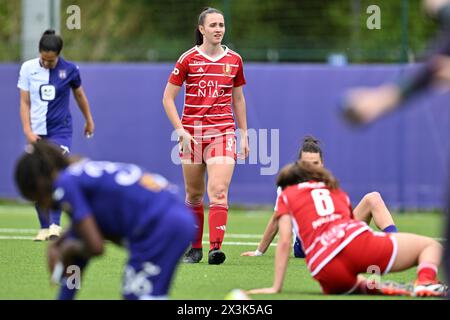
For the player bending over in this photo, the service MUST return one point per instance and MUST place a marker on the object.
(114, 201)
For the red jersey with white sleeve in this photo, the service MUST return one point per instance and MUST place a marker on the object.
(209, 82)
(322, 219)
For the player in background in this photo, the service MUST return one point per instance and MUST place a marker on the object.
(45, 84)
(339, 248)
(370, 206)
(108, 201)
(214, 77)
(364, 105)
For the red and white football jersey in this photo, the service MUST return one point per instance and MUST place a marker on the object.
(209, 82)
(322, 219)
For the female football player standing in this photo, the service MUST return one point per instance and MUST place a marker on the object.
(214, 78)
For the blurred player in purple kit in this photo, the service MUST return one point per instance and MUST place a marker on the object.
(45, 85)
(364, 105)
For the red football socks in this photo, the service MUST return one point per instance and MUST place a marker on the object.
(197, 209)
(217, 225)
(426, 272)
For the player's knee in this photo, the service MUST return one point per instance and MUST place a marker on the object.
(435, 244)
(427, 243)
(218, 193)
(193, 195)
(374, 199)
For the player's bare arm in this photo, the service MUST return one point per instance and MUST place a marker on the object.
(364, 105)
(83, 104)
(91, 236)
(170, 93)
(281, 257)
(25, 116)
(241, 119)
(268, 236)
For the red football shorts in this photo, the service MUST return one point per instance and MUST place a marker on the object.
(370, 252)
(221, 146)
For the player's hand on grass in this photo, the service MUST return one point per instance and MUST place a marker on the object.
(364, 105)
(255, 253)
(270, 290)
(185, 139)
(248, 254)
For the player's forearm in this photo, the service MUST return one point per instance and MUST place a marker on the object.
(281, 261)
(241, 114)
(419, 82)
(25, 118)
(425, 76)
(84, 106)
(269, 234)
(172, 113)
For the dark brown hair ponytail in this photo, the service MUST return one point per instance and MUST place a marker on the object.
(298, 172)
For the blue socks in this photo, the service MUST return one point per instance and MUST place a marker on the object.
(43, 215)
(43, 219)
(55, 217)
(390, 229)
(65, 293)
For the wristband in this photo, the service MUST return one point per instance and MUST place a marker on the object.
(258, 253)
(57, 274)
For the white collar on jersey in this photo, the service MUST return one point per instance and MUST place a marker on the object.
(210, 58)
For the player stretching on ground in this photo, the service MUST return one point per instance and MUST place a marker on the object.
(339, 248)
(113, 201)
(370, 206)
(45, 84)
(214, 78)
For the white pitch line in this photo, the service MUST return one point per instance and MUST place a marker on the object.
(239, 236)
(231, 235)
(11, 230)
(15, 238)
(227, 236)
(204, 242)
(231, 243)
(226, 243)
